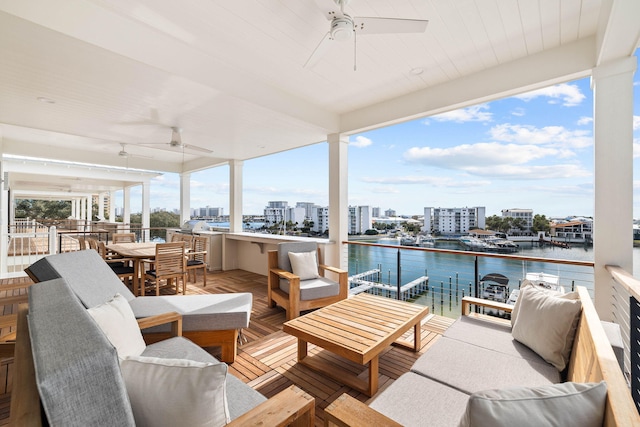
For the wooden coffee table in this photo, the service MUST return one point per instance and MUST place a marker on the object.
(358, 329)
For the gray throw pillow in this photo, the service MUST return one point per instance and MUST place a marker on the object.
(566, 404)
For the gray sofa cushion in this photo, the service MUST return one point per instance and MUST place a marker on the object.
(91, 279)
(95, 283)
(77, 369)
(314, 288)
(470, 368)
(200, 312)
(413, 400)
(489, 335)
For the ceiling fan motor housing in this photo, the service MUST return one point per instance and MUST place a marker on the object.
(342, 28)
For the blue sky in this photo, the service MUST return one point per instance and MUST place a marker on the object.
(531, 151)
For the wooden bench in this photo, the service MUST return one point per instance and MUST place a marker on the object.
(592, 360)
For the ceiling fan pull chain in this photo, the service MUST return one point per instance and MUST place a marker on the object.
(355, 50)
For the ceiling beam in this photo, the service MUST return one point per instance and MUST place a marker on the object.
(568, 62)
(618, 33)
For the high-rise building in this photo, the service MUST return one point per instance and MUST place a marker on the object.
(375, 212)
(360, 219)
(275, 212)
(453, 220)
(308, 209)
(320, 218)
(390, 213)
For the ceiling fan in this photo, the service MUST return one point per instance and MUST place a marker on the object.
(176, 142)
(125, 153)
(344, 27)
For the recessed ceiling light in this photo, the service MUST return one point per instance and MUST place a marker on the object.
(46, 100)
(417, 71)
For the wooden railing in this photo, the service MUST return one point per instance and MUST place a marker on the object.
(625, 305)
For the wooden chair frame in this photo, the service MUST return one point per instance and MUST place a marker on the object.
(199, 254)
(123, 238)
(291, 302)
(170, 265)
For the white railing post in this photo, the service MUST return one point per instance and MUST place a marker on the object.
(53, 240)
(4, 257)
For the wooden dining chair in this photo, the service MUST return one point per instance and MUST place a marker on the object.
(122, 267)
(124, 237)
(197, 258)
(82, 243)
(170, 267)
(186, 238)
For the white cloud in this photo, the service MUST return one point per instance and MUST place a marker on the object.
(636, 148)
(548, 135)
(585, 121)
(636, 122)
(476, 113)
(485, 154)
(569, 94)
(360, 142)
(531, 172)
(518, 112)
(433, 181)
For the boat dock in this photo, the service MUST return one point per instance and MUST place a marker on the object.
(413, 289)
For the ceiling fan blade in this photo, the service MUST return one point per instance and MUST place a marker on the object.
(196, 148)
(365, 25)
(319, 51)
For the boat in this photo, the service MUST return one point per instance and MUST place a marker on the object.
(543, 280)
(495, 287)
(407, 240)
(425, 241)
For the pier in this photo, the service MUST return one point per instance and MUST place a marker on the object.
(363, 282)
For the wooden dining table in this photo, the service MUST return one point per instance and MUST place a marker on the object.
(138, 252)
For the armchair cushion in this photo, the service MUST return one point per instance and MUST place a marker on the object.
(198, 387)
(117, 321)
(304, 264)
(314, 288)
(547, 324)
(565, 404)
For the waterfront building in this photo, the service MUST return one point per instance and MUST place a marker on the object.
(210, 212)
(308, 209)
(575, 230)
(453, 221)
(320, 218)
(389, 213)
(275, 212)
(375, 212)
(525, 214)
(360, 219)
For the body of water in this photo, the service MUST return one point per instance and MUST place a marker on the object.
(453, 275)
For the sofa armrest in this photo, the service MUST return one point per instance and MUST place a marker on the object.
(284, 274)
(347, 411)
(291, 406)
(332, 269)
(161, 319)
(467, 302)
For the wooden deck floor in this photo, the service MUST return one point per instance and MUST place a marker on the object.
(267, 357)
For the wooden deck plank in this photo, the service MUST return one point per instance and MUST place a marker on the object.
(267, 359)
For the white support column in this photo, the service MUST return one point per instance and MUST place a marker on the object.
(73, 208)
(87, 209)
(126, 206)
(101, 206)
(612, 84)
(338, 199)
(235, 196)
(112, 206)
(146, 210)
(4, 218)
(185, 197)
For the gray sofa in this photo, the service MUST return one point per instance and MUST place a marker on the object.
(477, 354)
(78, 374)
(208, 320)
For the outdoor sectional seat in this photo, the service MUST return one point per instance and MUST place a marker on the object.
(208, 320)
(478, 374)
(69, 365)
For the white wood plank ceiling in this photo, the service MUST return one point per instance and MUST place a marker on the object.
(230, 73)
